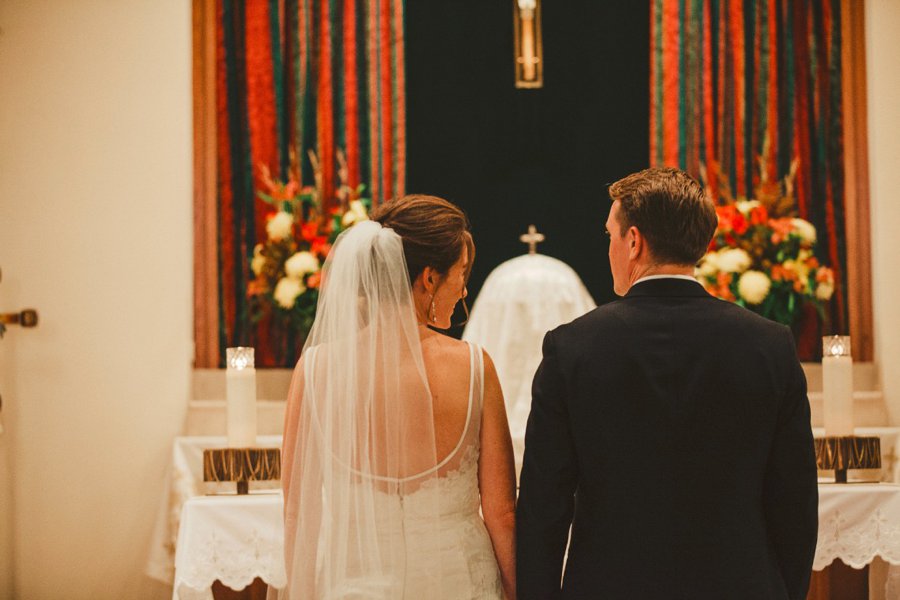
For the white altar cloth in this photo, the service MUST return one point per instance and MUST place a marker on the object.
(237, 538)
(184, 481)
(233, 539)
(857, 522)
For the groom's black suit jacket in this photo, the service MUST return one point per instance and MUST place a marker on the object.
(671, 430)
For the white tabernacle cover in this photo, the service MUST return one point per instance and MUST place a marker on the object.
(522, 300)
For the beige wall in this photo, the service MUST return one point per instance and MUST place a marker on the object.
(7, 371)
(883, 89)
(95, 232)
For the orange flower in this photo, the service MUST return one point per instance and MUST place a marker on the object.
(309, 232)
(723, 290)
(320, 247)
(731, 219)
(314, 280)
(781, 228)
(759, 215)
(787, 273)
(825, 275)
(256, 287)
(276, 189)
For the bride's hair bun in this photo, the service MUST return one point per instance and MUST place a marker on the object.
(433, 231)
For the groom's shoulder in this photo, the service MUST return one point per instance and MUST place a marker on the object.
(605, 315)
(609, 312)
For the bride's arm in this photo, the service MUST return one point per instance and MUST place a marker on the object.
(497, 479)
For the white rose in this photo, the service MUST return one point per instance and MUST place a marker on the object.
(745, 206)
(805, 230)
(733, 260)
(753, 286)
(279, 226)
(286, 292)
(709, 265)
(300, 264)
(356, 212)
(824, 290)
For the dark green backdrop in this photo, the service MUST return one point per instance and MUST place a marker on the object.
(512, 157)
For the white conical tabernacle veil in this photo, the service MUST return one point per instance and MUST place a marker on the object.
(364, 430)
(520, 301)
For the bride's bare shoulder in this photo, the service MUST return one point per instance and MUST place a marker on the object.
(446, 350)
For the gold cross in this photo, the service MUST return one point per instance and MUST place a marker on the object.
(532, 238)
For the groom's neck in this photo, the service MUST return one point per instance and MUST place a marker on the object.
(647, 270)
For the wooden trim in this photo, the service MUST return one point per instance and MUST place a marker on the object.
(856, 178)
(206, 297)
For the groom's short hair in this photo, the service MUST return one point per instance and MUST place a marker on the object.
(671, 211)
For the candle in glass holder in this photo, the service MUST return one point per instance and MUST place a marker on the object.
(837, 385)
(240, 397)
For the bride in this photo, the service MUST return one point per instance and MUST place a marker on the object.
(396, 435)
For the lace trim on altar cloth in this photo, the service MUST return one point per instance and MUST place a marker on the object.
(236, 567)
(857, 545)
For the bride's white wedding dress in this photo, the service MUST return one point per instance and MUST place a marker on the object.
(372, 510)
(459, 548)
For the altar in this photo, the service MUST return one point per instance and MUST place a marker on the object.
(236, 539)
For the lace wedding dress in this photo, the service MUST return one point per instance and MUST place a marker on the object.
(371, 510)
(459, 548)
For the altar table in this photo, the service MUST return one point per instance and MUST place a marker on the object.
(237, 538)
(184, 480)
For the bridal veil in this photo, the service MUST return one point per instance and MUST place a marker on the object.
(365, 439)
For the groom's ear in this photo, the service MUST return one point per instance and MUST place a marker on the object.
(635, 242)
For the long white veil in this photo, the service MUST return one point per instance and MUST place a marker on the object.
(365, 438)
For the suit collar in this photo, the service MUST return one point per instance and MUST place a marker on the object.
(668, 286)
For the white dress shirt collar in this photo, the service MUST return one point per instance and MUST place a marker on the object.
(650, 277)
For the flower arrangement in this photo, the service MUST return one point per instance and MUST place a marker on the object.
(300, 230)
(762, 255)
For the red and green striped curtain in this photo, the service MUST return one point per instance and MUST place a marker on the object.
(295, 75)
(751, 84)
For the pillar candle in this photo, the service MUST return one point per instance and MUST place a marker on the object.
(837, 385)
(240, 393)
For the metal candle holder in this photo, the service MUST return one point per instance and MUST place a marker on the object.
(847, 452)
(242, 465)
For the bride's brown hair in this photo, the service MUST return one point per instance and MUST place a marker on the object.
(433, 231)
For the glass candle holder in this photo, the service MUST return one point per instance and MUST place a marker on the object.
(239, 357)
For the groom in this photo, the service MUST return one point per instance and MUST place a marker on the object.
(669, 429)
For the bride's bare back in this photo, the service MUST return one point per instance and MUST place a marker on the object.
(447, 363)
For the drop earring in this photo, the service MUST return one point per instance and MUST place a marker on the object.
(432, 313)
